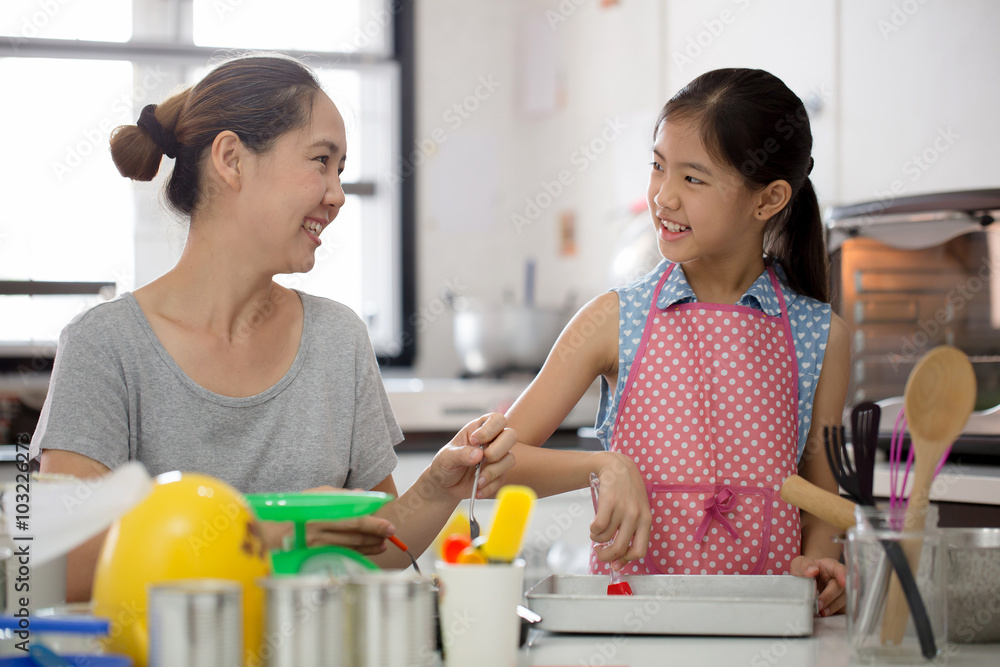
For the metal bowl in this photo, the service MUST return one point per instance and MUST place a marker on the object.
(493, 338)
(973, 562)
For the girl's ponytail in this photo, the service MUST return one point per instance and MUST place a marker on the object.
(796, 241)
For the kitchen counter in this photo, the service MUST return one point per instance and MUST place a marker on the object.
(447, 404)
(827, 647)
(966, 495)
(979, 484)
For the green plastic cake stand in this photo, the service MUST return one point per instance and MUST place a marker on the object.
(302, 507)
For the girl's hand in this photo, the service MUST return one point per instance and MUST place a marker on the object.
(487, 439)
(831, 582)
(623, 516)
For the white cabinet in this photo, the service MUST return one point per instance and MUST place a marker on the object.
(919, 97)
(903, 93)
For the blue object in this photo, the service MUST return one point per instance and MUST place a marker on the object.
(45, 657)
(75, 660)
(78, 625)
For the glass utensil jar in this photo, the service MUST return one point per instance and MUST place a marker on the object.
(869, 574)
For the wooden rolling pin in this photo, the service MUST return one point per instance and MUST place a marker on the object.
(836, 511)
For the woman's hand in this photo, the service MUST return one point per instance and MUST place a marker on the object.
(623, 516)
(365, 534)
(486, 439)
(831, 582)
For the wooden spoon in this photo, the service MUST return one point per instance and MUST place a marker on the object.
(939, 397)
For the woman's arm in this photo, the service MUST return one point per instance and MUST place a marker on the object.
(81, 562)
(586, 349)
(820, 553)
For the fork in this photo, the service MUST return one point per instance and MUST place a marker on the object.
(406, 550)
(473, 524)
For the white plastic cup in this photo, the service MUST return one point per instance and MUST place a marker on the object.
(478, 613)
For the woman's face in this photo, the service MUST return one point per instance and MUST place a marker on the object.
(294, 191)
(700, 208)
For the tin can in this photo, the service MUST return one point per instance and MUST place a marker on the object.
(303, 623)
(196, 623)
(389, 620)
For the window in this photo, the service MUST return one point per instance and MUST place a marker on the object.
(71, 219)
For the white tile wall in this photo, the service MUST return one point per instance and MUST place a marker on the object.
(608, 68)
(885, 93)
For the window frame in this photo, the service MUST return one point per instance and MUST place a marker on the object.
(183, 53)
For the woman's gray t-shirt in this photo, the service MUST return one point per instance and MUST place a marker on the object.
(116, 395)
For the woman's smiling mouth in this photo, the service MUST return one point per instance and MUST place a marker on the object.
(314, 228)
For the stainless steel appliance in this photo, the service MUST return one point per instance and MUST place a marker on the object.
(32, 313)
(911, 273)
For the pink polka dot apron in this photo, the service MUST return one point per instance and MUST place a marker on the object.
(710, 416)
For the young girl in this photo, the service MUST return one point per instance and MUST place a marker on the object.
(720, 368)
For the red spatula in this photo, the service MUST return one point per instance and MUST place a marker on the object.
(617, 586)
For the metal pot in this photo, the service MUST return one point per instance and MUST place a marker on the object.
(493, 337)
(973, 584)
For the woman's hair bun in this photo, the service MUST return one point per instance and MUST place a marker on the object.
(258, 97)
(135, 151)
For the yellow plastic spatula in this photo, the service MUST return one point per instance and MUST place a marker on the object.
(513, 511)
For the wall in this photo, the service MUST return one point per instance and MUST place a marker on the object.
(795, 41)
(902, 95)
(919, 97)
(883, 79)
(485, 194)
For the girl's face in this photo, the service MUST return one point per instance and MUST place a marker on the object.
(701, 209)
(294, 189)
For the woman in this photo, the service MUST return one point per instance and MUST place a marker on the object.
(217, 369)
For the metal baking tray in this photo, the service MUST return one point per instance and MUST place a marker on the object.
(724, 605)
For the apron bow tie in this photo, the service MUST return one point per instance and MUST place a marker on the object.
(715, 508)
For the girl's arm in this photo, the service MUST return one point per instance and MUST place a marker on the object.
(586, 349)
(820, 553)
(416, 516)
(423, 509)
